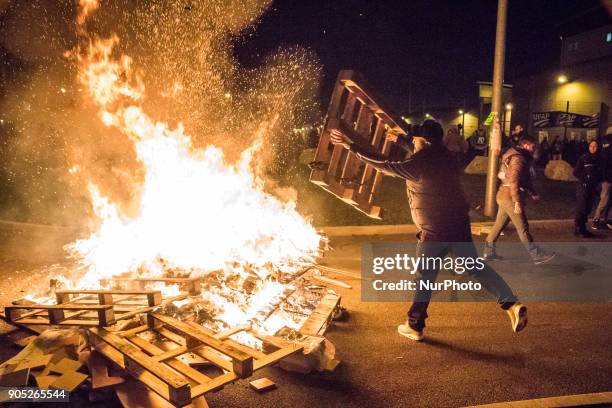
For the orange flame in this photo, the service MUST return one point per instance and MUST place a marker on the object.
(198, 212)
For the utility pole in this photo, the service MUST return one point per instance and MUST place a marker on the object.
(498, 83)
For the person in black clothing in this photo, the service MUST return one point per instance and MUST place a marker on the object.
(601, 219)
(440, 212)
(589, 173)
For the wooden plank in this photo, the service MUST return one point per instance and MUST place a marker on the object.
(229, 332)
(214, 384)
(167, 355)
(61, 307)
(132, 332)
(276, 356)
(214, 357)
(108, 292)
(171, 335)
(318, 321)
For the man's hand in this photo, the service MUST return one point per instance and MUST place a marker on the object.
(518, 209)
(338, 138)
(535, 197)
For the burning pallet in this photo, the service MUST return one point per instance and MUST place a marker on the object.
(354, 111)
(85, 308)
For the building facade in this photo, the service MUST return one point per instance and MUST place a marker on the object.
(570, 101)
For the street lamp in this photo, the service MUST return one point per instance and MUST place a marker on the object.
(508, 106)
(427, 115)
(562, 79)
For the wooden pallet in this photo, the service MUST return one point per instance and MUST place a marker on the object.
(354, 111)
(158, 363)
(193, 286)
(86, 308)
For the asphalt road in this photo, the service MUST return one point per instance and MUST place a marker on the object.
(470, 355)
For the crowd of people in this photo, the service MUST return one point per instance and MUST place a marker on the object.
(592, 162)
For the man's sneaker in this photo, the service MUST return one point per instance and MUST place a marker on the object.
(543, 257)
(407, 331)
(492, 257)
(518, 317)
(600, 226)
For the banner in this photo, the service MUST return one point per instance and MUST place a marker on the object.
(564, 119)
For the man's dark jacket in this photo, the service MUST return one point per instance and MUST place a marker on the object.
(589, 170)
(437, 203)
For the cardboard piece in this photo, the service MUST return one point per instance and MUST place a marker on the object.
(65, 366)
(43, 381)
(69, 381)
(36, 363)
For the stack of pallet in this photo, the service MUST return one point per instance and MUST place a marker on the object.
(99, 340)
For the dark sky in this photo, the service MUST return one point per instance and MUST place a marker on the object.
(438, 49)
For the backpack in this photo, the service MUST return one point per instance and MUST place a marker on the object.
(504, 168)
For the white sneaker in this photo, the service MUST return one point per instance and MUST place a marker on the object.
(407, 331)
(518, 317)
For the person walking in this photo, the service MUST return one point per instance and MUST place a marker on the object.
(456, 144)
(516, 184)
(602, 220)
(589, 173)
(440, 212)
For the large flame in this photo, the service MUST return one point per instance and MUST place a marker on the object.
(198, 213)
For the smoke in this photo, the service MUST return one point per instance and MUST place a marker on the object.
(53, 142)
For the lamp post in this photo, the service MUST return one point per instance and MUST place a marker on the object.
(498, 79)
(462, 113)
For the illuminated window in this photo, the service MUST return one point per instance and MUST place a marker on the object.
(609, 37)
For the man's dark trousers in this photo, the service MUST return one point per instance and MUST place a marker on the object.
(429, 246)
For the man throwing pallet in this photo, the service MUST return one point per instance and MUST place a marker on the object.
(440, 211)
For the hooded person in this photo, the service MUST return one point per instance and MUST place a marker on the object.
(440, 212)
(516, 175)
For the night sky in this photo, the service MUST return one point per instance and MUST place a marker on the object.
(438, 49)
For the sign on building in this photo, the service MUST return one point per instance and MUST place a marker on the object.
(564, 119)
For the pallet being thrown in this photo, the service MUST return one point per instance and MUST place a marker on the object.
(159, 363)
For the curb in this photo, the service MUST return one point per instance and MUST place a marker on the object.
(576, 400)
(399, 229)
